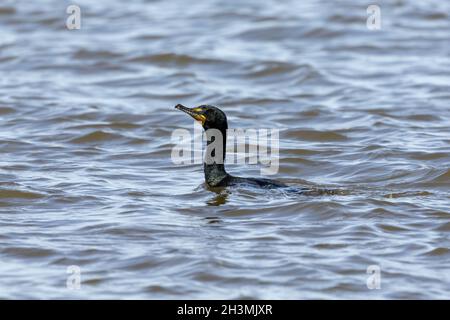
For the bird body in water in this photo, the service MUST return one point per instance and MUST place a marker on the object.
(214, 122)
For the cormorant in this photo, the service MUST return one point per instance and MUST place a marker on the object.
(212, 117)
(214, 122)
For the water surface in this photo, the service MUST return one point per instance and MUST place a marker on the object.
(86, 177)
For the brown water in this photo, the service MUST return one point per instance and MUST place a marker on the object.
(86, 177)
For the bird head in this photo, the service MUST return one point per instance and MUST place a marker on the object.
(210, 117)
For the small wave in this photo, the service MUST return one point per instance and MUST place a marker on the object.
(442, 178)
(272, 68)
(321, 32)
(347, 18)
(160, 289)
(97, 136)
(19, 194)
(301, 152)
(28, 252)
(141, 263)
(436, 16)
(391, 228)
(313, 135)
(427, 155)
(6, 110)
(443, 227)
(408, 194)
(7, 11)
(95, 54)
(112, 125)
(93, 281)
(179, 59)
(162, 96)
(423, 117)
(7, 59)
(50, 21)
(84, 68)
(270, 33)
(151, 37)
(438, 252)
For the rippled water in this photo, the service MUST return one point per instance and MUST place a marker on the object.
(86, 177)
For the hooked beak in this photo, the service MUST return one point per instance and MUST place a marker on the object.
(194, 113)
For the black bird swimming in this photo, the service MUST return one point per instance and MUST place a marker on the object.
(212, 117)
(214, 122)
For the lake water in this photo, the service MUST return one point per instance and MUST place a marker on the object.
(87, 180)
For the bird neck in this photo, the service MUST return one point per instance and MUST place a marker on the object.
(214, 161)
